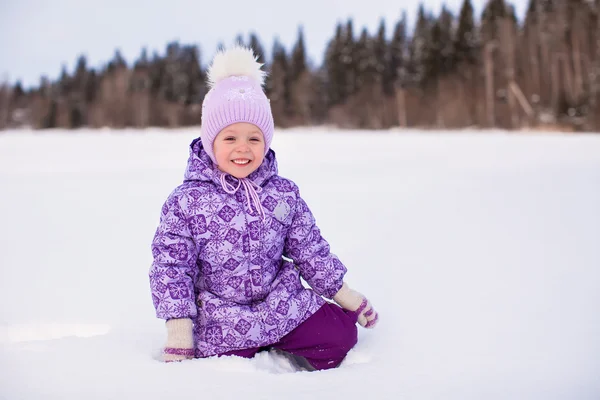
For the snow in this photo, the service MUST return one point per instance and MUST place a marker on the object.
(480, 250)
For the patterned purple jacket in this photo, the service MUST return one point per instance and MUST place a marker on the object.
(218, 261)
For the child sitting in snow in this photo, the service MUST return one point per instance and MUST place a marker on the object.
(219, 277)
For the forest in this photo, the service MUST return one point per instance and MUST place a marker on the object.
(451, 71)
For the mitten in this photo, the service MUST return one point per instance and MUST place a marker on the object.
(352, 300)
(180, 340)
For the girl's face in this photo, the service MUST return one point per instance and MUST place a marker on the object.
(239, 149)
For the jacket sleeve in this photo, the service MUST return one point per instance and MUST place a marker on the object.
(173, 271)
(321, 269)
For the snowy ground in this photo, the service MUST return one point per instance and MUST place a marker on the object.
(481, 251)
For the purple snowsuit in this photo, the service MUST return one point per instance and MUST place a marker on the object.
(218, 261)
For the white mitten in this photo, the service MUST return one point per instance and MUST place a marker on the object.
(180, 340)
(352, 300)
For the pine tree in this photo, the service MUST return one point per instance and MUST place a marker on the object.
(176, 83)
(420, 49)
(142, 61)
(117, 62)
(433, 55)
(17, 91)
(366, 62)
(320, 104)
(366, 107)
(239, 40)
(91, 87)
(298, 59)
(48, 110)
(277, 84)
(335, 72)
(196, 86)
(398, 53)
(349, 60)
(79, 81)
(80, 71)
(77, 99)
(301, 85)
(494, 11)
(141, 73)
(466, 46)
(259, 51)
(446, 44)
(157, 75)
(381, 54)
(65, 83)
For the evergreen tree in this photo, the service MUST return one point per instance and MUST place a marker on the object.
(466, 44)
(320, 104)
(398, 54)
(300, 84)
(334, 67)
(420, 48)
(91, 87)
(433, 56)
(445, 25)
(196, 86)
(157, 75)
(141, 68)
(298, 59)
(382, 59)
(17, 91)
(77, 98)
(81, 75)
(494, 11)
(366, 63)
(142, 61)
(176, 83)
(65, 83)
(259, 51)
(277, 84)
(239, 40)
(117, 62)
(349, 60)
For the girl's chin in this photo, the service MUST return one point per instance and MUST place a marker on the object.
(238, 172)
(239, 176)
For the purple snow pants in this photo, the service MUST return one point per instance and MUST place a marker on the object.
(323, 339)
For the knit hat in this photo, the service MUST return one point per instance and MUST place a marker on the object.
(236, 95)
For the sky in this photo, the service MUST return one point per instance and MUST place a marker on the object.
(479, 250)
(38, 37)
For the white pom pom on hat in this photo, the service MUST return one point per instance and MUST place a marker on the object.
(235, 79)
(238, 61)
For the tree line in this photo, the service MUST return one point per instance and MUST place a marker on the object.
(450, 71)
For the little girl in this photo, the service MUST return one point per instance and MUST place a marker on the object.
(235, 237)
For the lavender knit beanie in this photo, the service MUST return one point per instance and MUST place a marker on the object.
(236, 95)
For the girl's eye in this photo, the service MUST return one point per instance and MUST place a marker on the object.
(255, 139)
(229, 138)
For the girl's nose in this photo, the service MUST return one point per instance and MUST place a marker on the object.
(243, 147)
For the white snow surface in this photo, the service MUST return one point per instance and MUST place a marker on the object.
(480, 250)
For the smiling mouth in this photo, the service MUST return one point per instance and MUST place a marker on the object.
(241, 161)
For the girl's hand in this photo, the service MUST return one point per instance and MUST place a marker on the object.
(180, 340)
(352, 300)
